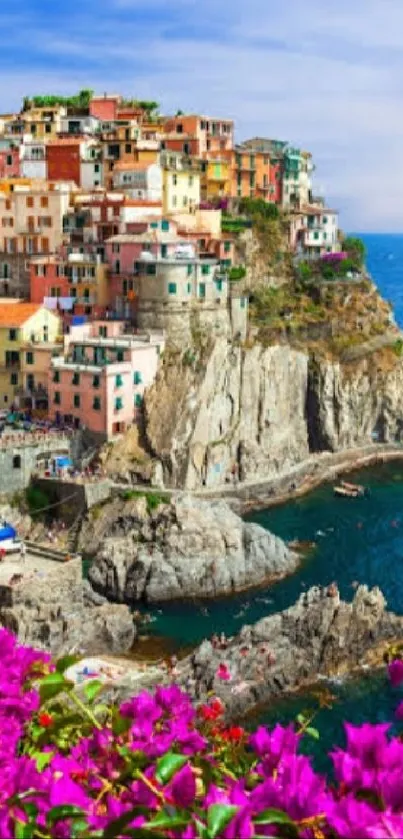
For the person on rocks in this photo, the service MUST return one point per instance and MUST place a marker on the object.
(332, 590)
(215, 641)
(223, 641)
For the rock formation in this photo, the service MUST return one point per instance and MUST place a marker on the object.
(49, 610)
(320, 634)
(186, 548)
(266, 409)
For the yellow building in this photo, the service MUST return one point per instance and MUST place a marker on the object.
(43, 123)
(215, 179)
(180, 190)
(21, 324)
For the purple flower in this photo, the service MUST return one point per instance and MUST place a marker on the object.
(274, 745)
(395, 672)
(399, 712)
(182, 789)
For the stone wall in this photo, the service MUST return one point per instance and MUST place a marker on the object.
(72, 497)
(19, 462)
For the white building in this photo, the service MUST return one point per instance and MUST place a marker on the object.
(91, 174)
(33, 163)
(139, 180)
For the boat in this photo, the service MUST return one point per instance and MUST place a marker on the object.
(347, 490)
(9, 541)
(342, 492)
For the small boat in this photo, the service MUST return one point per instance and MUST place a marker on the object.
(342, 492)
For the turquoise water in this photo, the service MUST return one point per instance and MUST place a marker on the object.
(357, 540)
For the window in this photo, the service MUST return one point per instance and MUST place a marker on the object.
(175, 180)
(137, 378)
(12, 334)
(190, 270)
(202, 289)
(174, 200)
(164, 251)
(325, 219)
(115, 248)
(57, 399)
(205, 269)
(76, 379)
(150, 268)
(76, 400)
(189, 288)
(154, 225)
(17, 461)
(29, 201)
(96, 167)
(48, 128)
(164, 225)
(190, 180)
(119, 355)
(128, 148)
(118, 381)
(243, 302)
(103, 332)
(185, 201)
(171, 288)
(325, 236)
(14, 379)
(44, 201)
(56, 377)
(9, 160)
(117, 266)
(227, 247)
(95, 381)
(138, 400)
(96, 403)
(30, 358)
(186, 148)
(316, 235)
(118, 403)
(218, 285)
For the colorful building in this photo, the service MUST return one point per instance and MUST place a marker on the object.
(138, 180)
(198, 135)
(31, 222)
(99, 383)
(21, 324)
(75, 159)
(181, 188)
(10, 162)
(314, 231)
(215, 179)
(76, 285)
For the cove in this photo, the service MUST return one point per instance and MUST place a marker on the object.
(357, 541)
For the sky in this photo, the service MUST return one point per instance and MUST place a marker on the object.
(326, 75)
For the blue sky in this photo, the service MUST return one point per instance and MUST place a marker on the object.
(327, 76)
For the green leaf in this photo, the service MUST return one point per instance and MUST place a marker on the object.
(301, 719)
(167, 822)
(120, 724)
(64, 663)
(42, 760)
(273, 817)
(218, 817)
(29, 808)
(53, 684)
(65, 811)
(116, 827)
(168, 765)
(313, 732)
(92, 689)
(24, 830)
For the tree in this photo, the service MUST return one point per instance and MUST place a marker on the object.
(355, 249)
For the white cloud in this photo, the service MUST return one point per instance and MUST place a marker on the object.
(325, 76)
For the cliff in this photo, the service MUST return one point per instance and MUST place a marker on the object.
(185, 548)
(266, 409)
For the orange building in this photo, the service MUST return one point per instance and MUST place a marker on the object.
(255, 174)
(200, 134)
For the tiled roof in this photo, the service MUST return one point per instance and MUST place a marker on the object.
(16, 314)
(134, 166)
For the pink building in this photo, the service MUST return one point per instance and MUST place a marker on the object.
(99, 383)
(10, 163)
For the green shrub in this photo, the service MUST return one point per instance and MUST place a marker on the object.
(36, 500)
(153, 499)
(238, 272)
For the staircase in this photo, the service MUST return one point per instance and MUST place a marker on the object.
(74, 532)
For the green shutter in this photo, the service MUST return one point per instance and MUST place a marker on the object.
(205, 269)
(57, 398)
(76, 400)
(30, 358)
(171, 288)
(118, 381)
(202, 289)
(137, 378)
(56, 377)
(96, 403)
(118, 403)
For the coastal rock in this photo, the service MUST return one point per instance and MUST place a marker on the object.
(319, 635)
(264, 410)
(187, 548)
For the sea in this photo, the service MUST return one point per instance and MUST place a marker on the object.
(360, 542)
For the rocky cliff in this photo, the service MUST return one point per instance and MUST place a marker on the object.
(184, 549)
(319, 635)
(262, 410)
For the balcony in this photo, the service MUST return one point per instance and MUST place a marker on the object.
(10, 365)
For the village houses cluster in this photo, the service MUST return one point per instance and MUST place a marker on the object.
(111, 223)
